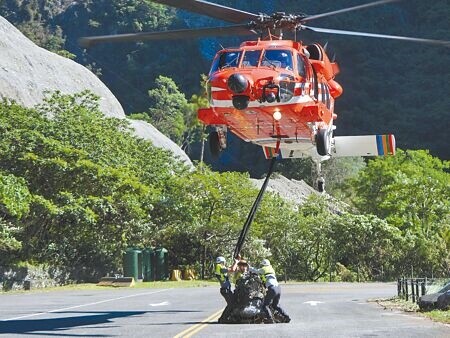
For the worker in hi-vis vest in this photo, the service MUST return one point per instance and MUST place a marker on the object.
(273, 292)
(221, 271)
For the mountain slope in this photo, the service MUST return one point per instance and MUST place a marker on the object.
(28, 71)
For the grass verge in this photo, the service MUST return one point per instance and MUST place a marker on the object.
(139, 285)
(396, 303)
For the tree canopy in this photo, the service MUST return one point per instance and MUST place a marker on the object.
(77, 188)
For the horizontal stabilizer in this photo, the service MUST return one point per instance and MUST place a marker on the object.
(270, 152)
(367, 145)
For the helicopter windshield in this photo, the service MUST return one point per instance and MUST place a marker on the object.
(226, 59)
(251, 58)
(278, 58)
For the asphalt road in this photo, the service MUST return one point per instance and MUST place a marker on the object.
(317, 310)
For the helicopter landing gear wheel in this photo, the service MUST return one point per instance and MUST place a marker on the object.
(323, 144)
(217, 142)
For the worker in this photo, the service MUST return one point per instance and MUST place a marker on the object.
(222, 274)
(239, 268)
(273, 292)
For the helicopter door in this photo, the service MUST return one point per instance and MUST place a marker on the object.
(315, 53)
(314, 84)
(301, 67)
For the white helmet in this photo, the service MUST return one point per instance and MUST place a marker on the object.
(220, 259)
(265, 262)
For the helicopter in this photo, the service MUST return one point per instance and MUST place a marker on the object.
(276, 93)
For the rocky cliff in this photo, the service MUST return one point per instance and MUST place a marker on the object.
(28, 71)
(291, 190)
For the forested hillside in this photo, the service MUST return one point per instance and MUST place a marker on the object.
(78, 188)
(389, 86)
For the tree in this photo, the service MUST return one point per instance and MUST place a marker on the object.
(208, 208)
(93, 184)
(15, 197)
(195, 130)
(169, 109)
(367, 245)
(411, 192)
(15, 200)
(300, 240)
(410, 189)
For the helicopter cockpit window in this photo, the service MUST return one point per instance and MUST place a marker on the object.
(229, 59)
(251, 58)
(277, 58)
(225, 60)
(301, 66)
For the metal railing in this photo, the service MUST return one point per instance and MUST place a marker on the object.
(414, 287)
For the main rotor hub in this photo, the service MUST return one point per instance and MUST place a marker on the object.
(278, 20)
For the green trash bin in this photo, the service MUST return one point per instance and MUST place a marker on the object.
(148, 265)
(131, 263)
(140, 266)
(161, 264)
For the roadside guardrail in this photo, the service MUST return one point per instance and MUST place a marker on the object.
(414, 287)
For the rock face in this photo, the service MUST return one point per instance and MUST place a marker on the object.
(16, 278)
(28, 71)
(149, 132)
(290, 190)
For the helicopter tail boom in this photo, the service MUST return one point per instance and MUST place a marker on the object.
(367, 145)
(343, 146)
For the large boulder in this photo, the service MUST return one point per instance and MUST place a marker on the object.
(27, 72)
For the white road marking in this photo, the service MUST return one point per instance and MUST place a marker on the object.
(395, 313)
(82, 305)
(160, 304)
(400, 314)
(313, 302)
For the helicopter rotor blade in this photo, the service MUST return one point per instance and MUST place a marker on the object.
(90, 41)
(372, 35)
(210, 9)
(345, 10)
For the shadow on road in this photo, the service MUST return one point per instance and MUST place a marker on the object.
(59, 324)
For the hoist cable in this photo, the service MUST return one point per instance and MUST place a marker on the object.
(253, 210)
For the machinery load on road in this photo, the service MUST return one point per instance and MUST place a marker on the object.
(247, 304)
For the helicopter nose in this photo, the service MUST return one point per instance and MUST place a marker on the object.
(237, 83)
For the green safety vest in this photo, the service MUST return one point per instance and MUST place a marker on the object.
(221, 272)
(267, 271)
(237, 276)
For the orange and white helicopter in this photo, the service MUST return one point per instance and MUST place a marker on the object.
(278, 94)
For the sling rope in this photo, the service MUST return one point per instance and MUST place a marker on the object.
(251, 215)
